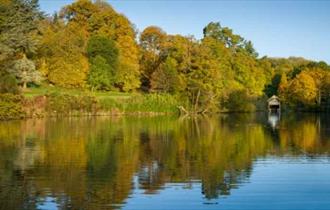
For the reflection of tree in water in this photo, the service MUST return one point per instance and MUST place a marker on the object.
(82, 164)
(202, 149)
(305, 134)
(87, 163)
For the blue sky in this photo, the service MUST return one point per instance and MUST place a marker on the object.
(277, 28)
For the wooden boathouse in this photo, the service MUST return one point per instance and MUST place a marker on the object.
(274, 104)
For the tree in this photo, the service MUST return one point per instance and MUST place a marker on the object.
(63, 52)
(272, 88)
(240, 100)
(103, 59)
(99, 18)
(249, 73)
(166, 78)
(223, 58)
(18, 40)
(299, 90)
(128, 77)
(228, 38)
(249, 48)
(303, 90)
(203, 88)
(79, 12)
(19, 26)
(101, 75)
(283, 90)
(152, 43)
(104, 47)
(223, 34)
(8, 83)
(152, 39)
(25, 71)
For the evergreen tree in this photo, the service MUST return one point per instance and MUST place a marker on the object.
(18, 40)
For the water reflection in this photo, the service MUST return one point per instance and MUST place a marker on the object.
(95, 163)
(274, 119)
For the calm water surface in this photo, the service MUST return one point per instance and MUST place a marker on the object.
(246, 161)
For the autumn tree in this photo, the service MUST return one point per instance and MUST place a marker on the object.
(203, 88)
(63, 54)
(303, 90)
(152, 43)
(99, 18)
(166, 78)
(306, 85)
(128, 77)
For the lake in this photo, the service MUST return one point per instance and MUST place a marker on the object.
(234, 161)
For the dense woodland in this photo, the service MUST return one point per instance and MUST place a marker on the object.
(88, 45)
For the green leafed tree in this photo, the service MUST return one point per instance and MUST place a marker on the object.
(103, 58)
(104, 47)
(8, 83)
(101, 74)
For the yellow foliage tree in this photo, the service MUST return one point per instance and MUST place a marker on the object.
(303, 89)
(64, 62)
(100, 18)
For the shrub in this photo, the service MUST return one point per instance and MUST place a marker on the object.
(162, 103)
(11, 107)
(8, 83)
(152, 103)
(64, 104)
(240, 101)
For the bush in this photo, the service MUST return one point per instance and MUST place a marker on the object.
(8, 83)
(162, 103)
(240, 101)
(65, 104)
(11, 107)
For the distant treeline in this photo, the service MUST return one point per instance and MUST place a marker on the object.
(88, 45)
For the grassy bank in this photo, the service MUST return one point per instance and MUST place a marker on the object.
(43, 102)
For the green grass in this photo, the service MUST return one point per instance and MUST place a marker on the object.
(64, 100)
(32, 92)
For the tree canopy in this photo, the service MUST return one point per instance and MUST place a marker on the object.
(87, 44)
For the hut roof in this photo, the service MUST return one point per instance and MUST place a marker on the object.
(274, 97)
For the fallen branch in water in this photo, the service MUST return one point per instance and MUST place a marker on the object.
(183, 111)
